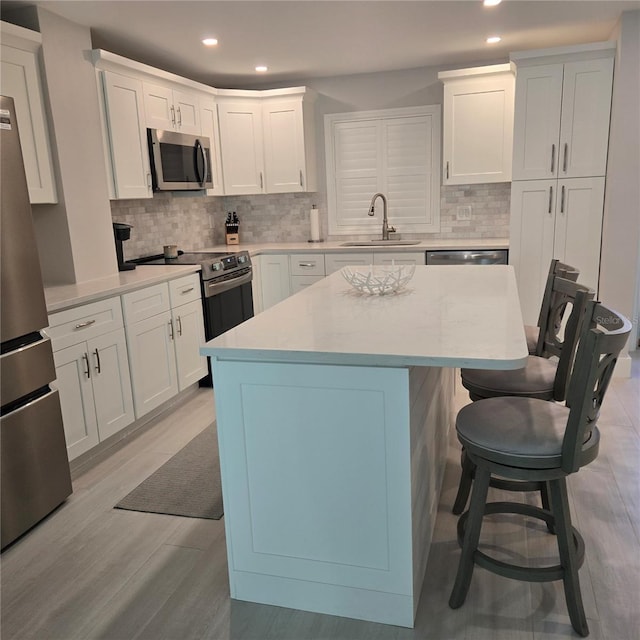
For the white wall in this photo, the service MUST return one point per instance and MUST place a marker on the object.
(620, 265)
(75, 237)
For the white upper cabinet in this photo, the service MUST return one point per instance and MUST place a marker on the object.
(20, 79)
(241, 144)
(268, 141)
(478, 125)
(289, 144)
(561, 127)
(211, 130)
(171, 110)
(126, 136)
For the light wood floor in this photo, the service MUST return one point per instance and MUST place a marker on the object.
(90, 571)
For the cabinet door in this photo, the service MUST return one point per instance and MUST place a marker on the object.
(187, 112)
(584, 127)
(578, 230)
(111, 382)
(241, 147)
(478, 129)
(153, 362)
(20, 80)
(73, 381)
(210, 129)
(158, 107)
(536, 135)
(188, 323)
(124, 108)
(335, 261)
(531, 241)
(284, 146)
(399, 257)
(276, 285)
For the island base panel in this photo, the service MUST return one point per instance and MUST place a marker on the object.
(331, 476)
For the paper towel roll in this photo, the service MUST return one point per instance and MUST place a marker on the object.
(315, 224)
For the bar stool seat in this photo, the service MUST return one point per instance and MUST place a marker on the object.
(535, 380)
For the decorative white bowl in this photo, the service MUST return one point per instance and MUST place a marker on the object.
(378, 280)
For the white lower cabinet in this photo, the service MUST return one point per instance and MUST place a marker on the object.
(275, 279)
(165, 329)
(92, 374)
(554, 219)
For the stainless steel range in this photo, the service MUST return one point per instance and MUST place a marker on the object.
(226, 288)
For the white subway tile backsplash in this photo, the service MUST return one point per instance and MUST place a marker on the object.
(196, 222)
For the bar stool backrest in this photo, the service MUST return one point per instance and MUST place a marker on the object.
(604, 334)
(562, 341)
(566, 271)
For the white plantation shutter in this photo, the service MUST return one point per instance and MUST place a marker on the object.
(393, 151)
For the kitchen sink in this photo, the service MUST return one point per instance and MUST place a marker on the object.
(379, 243)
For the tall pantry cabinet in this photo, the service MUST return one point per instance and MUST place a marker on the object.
(561, 135)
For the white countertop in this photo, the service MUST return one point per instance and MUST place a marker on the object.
(455, 316)
(337, 246)
(70, 295)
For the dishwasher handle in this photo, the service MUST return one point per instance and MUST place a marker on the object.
(470, 257)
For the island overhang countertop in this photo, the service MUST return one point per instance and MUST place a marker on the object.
(446, 316)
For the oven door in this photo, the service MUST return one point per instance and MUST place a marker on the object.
(179, 162)
(227, 304)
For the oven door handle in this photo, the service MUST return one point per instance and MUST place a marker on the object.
(215, 288)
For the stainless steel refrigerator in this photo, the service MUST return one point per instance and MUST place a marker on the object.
(34, 471)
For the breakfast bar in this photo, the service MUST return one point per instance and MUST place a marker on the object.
(333, 413)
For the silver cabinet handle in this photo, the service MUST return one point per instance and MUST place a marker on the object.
(179, 326)
(85, 357)
(173, 116)
(261, 183)
(550, 198)
(553, 158)
(301, 183)
(566, 155)
(447, 169)
(179, 117)
(82, 325)
(98, 367)
(189, 290)
(170, 323)
(149, 181)
(308, 265)
(562, 200)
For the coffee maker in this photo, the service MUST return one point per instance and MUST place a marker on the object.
(122, 232)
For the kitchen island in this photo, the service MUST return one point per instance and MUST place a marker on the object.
(333, 413)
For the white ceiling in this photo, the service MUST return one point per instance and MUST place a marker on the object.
(301, 39)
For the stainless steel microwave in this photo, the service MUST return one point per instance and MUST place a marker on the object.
(179, 162)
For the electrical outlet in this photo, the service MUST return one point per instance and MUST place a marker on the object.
(463, 213)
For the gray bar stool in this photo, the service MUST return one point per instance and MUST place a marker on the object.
(535, 344)
(542, 377)
(528, 439)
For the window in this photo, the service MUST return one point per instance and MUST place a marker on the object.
(393, 151)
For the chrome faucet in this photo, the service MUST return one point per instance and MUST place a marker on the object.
(386, 229)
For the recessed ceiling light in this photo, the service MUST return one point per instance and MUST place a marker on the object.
(261, 68)
(493, 39)
(210, 42)
(491, 3)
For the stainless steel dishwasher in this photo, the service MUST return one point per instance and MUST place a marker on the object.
(471, 256)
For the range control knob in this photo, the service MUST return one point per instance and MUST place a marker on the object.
(242, 259)
(217, 266)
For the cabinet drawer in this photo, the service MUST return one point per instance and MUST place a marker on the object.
(335, 261)
(399, 257)
(307, 264)
(298, 283)
(145, 303)
(184, 290)
(75, 325)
